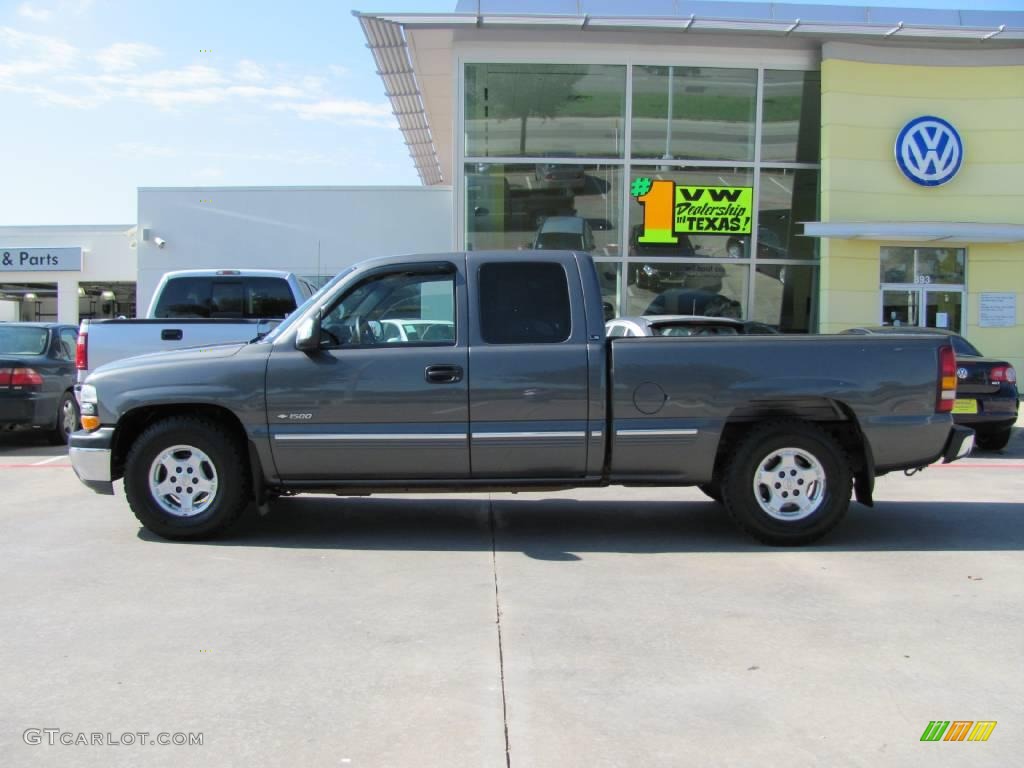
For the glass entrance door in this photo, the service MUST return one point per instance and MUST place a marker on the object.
(900, 306)
(943, 308)
(923, 287)
(914, 306)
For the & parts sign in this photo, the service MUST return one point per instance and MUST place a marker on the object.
(40, 259)
(672, 209)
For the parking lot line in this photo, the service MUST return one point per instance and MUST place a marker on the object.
(50, 460)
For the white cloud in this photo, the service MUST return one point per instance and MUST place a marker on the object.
(342, 110)
(26, 54)
(250, 71)
(34, 13)
(44, 67)
(338, 71)
(123, 57)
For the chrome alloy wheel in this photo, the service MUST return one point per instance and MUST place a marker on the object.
(68, 417)
(183, 481)
(789, 484)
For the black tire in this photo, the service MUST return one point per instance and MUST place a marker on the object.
(230, 466)
(66, 422)
(712, 491)
(993, 439)
(746, 508)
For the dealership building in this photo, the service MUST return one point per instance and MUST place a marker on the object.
(811, 167)
(815, 167)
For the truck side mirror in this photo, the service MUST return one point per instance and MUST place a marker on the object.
(307, 338)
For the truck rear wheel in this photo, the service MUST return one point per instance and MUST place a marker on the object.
(788, 484)
(186, 478)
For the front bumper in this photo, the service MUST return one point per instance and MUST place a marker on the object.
(90, 454)
(959, 444)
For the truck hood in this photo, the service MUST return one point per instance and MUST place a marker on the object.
(173, 358)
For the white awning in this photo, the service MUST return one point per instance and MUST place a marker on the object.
(917, 231)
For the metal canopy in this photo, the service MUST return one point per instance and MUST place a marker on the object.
(387, 43)
(918, 232)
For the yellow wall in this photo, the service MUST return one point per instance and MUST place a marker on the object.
(864, 106)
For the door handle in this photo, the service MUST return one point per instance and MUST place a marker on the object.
(443, 374)
(171, 334)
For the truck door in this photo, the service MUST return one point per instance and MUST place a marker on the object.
(385, 397)
(528, 396)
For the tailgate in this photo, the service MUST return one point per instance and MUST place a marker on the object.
(110, 340)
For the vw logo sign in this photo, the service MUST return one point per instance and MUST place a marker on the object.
(961, 373)
(929, 151)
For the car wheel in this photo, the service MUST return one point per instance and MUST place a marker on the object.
(67, 420)
(788, 483)
(712, 491)
(187, 478)
(994, 439)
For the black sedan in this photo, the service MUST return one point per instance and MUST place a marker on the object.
(37, 373)
(986, 388)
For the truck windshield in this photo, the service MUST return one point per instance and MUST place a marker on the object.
(15, 340)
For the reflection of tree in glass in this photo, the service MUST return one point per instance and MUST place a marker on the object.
(528, 90)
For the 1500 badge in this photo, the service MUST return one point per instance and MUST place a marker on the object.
(295, 416)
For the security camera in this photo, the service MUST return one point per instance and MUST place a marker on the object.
(160, 242)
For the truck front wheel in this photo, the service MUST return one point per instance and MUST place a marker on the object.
(788, 483)
(186, 478)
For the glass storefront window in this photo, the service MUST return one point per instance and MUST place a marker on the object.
(923, 266)
(785, 296)
(791, 117)
(705, 113)
(539, 110)
(787, 198)
(565, 206)
(704, 249)
(691, 244)
(608, 274)
(712, 288)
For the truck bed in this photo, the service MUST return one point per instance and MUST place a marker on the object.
(667, 422)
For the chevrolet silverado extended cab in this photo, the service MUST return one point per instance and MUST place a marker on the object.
(505, 380)
(193, 308)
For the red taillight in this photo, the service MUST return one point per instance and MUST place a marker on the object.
(82, 352)
(1001, 373)
(25, 378)
(947, 380)
(5, 377)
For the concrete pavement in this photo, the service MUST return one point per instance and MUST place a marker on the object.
(637, 627)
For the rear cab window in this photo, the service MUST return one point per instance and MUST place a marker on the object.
(251, 298)
(524, 303)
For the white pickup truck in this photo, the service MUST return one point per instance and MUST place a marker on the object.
(194, 308)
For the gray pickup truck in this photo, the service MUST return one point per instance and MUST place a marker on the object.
(491, 371)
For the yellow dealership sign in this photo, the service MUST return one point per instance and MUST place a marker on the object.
(672, 209)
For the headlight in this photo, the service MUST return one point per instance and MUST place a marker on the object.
(649, 270)
(88, 402)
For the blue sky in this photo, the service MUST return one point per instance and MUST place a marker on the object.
(99, 97)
